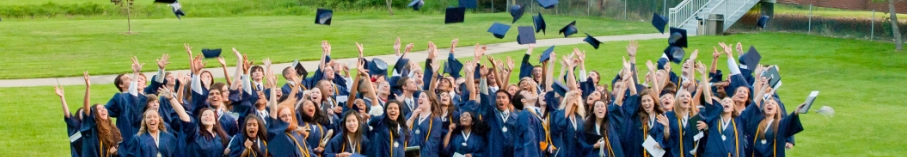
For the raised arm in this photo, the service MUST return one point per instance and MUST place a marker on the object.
(59, 90)
(548, 72)
(704, 86)
(223, 65)
(508, 71)
(704, 82)
(470, 83)
(136, 70)
(182, 90)
(176, 105)
(272, 98)
(653, 81)
(570, 63)
(87, 100)
(326, 51)
(161, 65)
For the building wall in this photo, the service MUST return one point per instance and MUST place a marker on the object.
(901, 7)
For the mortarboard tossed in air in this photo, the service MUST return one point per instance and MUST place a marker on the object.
(299, 69)
(454, 15)
(416, 4)
(678, 37)
(499, 30)
(539, 23)
(547, 4)
(762, 21)
(568, 30)
(324, 16)
(659, 22)
(526, 36)
(559, 88)
(546, 55)
(177, 9)
(471, 4)
(751, 58)
(400, 66)
(377, 67)
(592, 41)
(211, 53)
(774, 78)
(674, 53)
(453, 68)
(516, 11)
(164, 1)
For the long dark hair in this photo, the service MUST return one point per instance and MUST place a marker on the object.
(319, 117)
(395, 123)
(108, 134)
(643, 116)
(351, 135)
(217, 128)
(517, 99)
(478, 126)
(259, 135)
(590, 121)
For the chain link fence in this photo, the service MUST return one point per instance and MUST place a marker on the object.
(859, 24)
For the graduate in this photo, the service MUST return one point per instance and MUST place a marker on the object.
(99, 136)
(425, 126)
(387, 135)
(250, 142)
(600, 133)
(212, 99)
(643, 118)
(73, 124)
(466, 138)
(127, 106)
(153, 138)
(682, 118)
(773, 128)
(569, 121)
(528, 124)
(314, 120)
(351, 142)
(285, 136)
(408, 96)
(202, 135)
(725, 128)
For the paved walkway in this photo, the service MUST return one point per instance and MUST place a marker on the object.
(464, 50)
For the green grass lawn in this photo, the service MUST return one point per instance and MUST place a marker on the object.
(856, 78)
(58, 48)
(832, 12)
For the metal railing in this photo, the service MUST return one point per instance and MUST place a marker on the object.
(685, 11)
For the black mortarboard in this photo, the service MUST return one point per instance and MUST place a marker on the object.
(453, 68)
(394, 87)
(526, 36)
(416, 4)
(773, 76)
(499, 30)
(401, 63)
(299, 69)
(164, 1)
(477, 73)
(559, 88)
(762, 21)
(751, 58)
(468, 4)
(674, 53)
(454, 15)
(377, 67)
(546, 55)
(177, 9)
(592, 41)
(678, 37)
(568, 30)
(539, 23)
(516, 11)
(211, 53)
(324, 16)
(661, 63)
(659, 22)
(547, 4)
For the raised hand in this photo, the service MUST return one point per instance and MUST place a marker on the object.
(236, 53)
(453, 44)
(246, 64)
(409, 47)
(267, 62)
(183, 78)
(221, 61)
(452, 126)
(626, 64)
(632, 47)
(509, 63)
(136, 66)
(163, 91)
(650, 65)
(662, 119)
(359, 47)
(162, 63)
(740, 48)
(694, 55)
(397, 46)
(188, 49)
(432, 50)
(484, 71)
(700, 67)
(59, 90)
(435, 67)
(715, 54)
(470, 67)
(326, 48)
(727, 49)
(87, 78)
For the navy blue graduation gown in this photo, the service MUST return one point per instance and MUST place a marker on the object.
(91, 144)
(73, 126)
(337, 146)
(426, 135)
(143, 145)
(681, 141)
(286, 89)
(635, 132)
(570, 138)
(199, 145)
(381, 143)
(316, 134)
(127, 110)
(615, 149)
(227, 122)
(475, 145)
(238, 145)
(723, 140)
(525, 67)
(526, 136)
(287, 144)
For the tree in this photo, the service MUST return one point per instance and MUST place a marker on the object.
(389, 8)
(128, 6)
(899, 43)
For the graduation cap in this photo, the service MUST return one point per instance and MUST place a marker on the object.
(401, 63)
(468, 4)
(773, 76)
(299, 69)
(164, 1)
(416, 4)
(751, 57)
(592, 41)
(377, 67)
(762, 21)
(661, 63)
(678, 37)
(324, 16)
(394, 87)
(547, 4)
(674, 53)
(659, 22)
(568, 30)
(499, 30)
(211, 53)
(454, 15)
(526, 36)
(547, 54)
(177, 9)
(516, 11)
(453, 68)
(559, 88)
(539, 23)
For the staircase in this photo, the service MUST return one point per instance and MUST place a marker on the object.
(688, 13)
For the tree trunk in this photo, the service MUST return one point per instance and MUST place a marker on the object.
(899, 43)
(389, 8)
(129, 17)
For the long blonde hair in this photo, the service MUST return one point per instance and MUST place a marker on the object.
(143, 129)
(573, 97)
(774, 122)
(693, 110)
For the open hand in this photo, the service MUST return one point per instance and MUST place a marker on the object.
(136, 66)
(59, 90)
(662, 119)
(453, 44)
(162, 63)
(221, 61)
(632, 47)
(397, 46)
(87, 78)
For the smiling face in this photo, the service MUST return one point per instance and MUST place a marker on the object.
(329, 72)
(154, 105)
(262, 100)
(502, 101)
(393, 110)
(648, 104)
(325, 88)
(423, 100)
(384, 88)
(595, 96)
(215, 97)
(466, 119)
(741, 94)
(446, 85)
(728, 105)
(224, 94)
(537, 72)
(315, 94)
(309, 108)
(102, 111)
(512, 89)
(170, 79)
(445, 99)
(600, 109)
(667, 102)
(687, 66)
(417, 75)
(152, 120)
(209, 118)
(525, 85)
(351, 123)
(285, 115)
(771, 107)
(595, 77)
(684, 99)
(251, 128)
